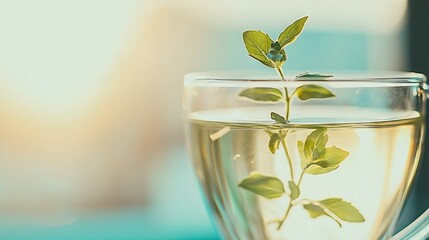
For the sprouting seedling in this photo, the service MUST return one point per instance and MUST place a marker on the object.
(316, 158)
(271, 53)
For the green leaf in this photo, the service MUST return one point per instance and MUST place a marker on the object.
(262, 94)
(294, 190)
(317, 211)
(277, 54)
(333, 155)
(290, 34)
(315, 144)
(304, 162)
(320, 168)
(274, 143)
(329, 161)
(310, 91)
(258, 45)
(312, 76)
(314, 210)
(263, 185)
(343, 210)
(278, 118)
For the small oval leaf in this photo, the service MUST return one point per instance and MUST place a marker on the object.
(278, 118)
(263, 185)
(304, 162)
(312, 76)
(320, 168)
(262, 94)
(315, 144)
(274, 143)
(310, 91)
(294, 190)
(291, 33)
(258, 44)
(329, 161)
(343, 210)
(333, 155)
(317, 211)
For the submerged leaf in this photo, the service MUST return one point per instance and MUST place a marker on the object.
(320, 168)
(310, 91)
(343, 210)
(329, 161)
(334, 208)
(304, 162)
(333, 155)
(315, 144)
(274, 143)
(262, 94)
(263, 185)
(317, 211)
(294, 190)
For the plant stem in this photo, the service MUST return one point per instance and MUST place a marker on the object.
(285, 148)
(287, 98)
(280, 72)
(287, 105)
(290, 203)
(300, 178)
(285, 216)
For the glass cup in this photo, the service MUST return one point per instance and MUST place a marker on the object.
(308, 158)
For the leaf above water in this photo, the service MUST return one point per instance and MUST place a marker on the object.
(263, 185)
(258, 45)
(312, 76)
(278, 118)
(291, 33)
(262, 94)
(310, 91)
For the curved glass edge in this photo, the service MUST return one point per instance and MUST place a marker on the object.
(230, 77)
(417, 230)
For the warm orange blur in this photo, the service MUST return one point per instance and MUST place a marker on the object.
(96, 149)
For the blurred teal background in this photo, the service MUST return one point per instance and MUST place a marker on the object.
(91, 141)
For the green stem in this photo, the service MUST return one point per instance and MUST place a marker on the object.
(300, 177)
(287, 98)
(280, 72)
(290, 203)
(285, 148)
(287, 105)
(285, 216)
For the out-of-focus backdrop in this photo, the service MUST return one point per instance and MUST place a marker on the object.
(91, 142)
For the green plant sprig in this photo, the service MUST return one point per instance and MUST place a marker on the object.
(271, 53)
(315, 157)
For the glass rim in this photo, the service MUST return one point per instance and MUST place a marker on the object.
(249, 77)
